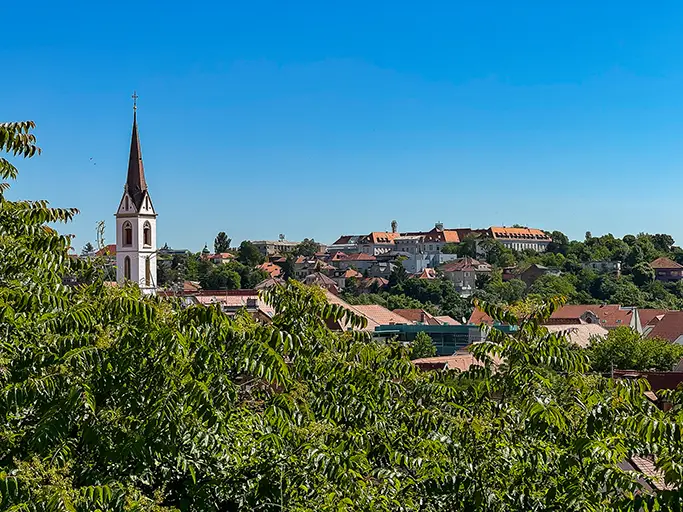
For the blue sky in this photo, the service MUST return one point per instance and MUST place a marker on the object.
(322, 118)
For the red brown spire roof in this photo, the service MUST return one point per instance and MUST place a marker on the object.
(135, 183)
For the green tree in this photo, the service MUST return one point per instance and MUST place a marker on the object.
(249, 255)
(643, 274)
(88, 249)
(221, 243)
(221, 277)
(422, 346)
(308, 247)
(625, 349)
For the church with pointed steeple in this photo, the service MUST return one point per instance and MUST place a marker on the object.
(136, 223)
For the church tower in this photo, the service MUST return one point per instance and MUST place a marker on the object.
(136, 223)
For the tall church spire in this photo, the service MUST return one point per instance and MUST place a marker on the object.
(136, 184)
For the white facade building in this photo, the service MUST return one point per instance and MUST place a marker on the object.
(136, 225)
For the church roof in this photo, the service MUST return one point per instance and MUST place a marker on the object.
(135, 183)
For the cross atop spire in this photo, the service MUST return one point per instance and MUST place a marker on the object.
(135, 182)
(135, 101)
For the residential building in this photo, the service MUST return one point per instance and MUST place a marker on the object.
(377, 242)
(667, 270)
(520, 239)
(604, 267)
(462, 361)
(219, 258)
(463, 274)
(359, 261)
(381, 269)
(272, 269)
(320, 279)
(669, 327)
(608, 316)
(534, 271)
(136, 238)
(273, 247)
(372, 284)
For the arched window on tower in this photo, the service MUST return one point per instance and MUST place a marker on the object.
(126, 268)
(127, 234)
(148, 272)
(147, 234)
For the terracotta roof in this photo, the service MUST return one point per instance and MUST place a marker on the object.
(665, 263)
(334, 299)
(418, 316)
(436, 235)
(338, 256)
(447, 320)
(428, 273)
(466, 264)
(359, 256)
(347, 239)
(518, 233)
(235, 301)
(272, 269)
(107, 250)
(381, 237)
(380, 315)
(650, 316)
(609, 315)
(349, 273)
(135, 183)
(319, 279)
(191, 286)
(269, 283)
(460, 361)
(579, 334)
(670, 327)
(368, 282)
(219, 256)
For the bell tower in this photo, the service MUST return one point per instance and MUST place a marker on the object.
(136, 223)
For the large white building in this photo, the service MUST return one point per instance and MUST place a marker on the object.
(136, 224)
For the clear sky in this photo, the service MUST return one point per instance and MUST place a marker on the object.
(325, 118)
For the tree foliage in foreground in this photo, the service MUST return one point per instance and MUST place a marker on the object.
(111, 400)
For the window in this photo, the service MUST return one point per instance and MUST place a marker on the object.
(148, 272)
(147, 234)
(126, 268)
(127, 234)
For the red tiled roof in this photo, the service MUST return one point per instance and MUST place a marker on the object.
(447, 320)
(518, 233)
(670, 327)
(272, 269)
(380, 315)
(107, 250)
(579, 334)
(368, 282)
(352, 273)
(359, 256)
(650, 316)
(220, 256)
(417, 315)
(382, 237)
(665, 263)
(609, 315)
(459, 361)
(428, 273)
(466, 264)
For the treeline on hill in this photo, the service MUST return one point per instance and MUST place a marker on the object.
(635, 287)
(114, 401)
